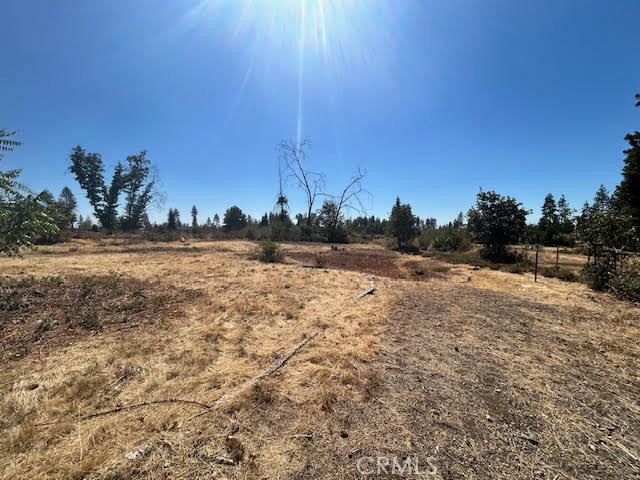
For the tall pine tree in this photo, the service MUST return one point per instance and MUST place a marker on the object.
(628, 192)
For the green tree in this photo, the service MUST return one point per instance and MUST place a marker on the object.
(331, 222)
(138, 185)
(234, 219)
(606, 222)
(173, 219)
(629, 189)
(548, 223)
(55, 212)
(89, 172)
(495, 222)
(133, 180)
(216, 221)
(68, 204)
(566, 224)
(84, 223)
(23, 215)
(402, 223)
(458, 222)
(601, 200)
(194, 217)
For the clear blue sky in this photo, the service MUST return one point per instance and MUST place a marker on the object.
(434, 99)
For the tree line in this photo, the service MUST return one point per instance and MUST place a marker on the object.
(495, 221)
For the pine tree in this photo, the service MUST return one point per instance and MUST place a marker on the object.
(194, 217)
(402, 223)
(566, 224)
(548, 223)
(629, 189)
(68, 204)
(601, 200)
(173, 219)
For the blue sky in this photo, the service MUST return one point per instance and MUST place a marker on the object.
(434, 99)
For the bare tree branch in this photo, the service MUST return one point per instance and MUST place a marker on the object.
(349, 197)
(311, 183)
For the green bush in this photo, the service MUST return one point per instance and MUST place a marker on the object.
(621, 275)
(441, 269)
(626, 283)
(471, 257)
(250, 234)
(596, 275)
(427, 238)
(561, 273)
(416, 271)
(269, 252)
(451, 239)
(319, 260)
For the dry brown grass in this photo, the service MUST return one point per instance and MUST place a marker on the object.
(415, 369)
(547, 257)
(513, 385)
(248, 315)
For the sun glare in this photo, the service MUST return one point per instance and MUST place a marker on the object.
(335, 38)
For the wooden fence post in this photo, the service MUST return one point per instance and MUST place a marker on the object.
(535, 275)
(557, 255)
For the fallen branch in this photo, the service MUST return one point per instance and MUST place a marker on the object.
(225, 398)
(223, 460)
(627, 451)
(125, 408)
(368, 291)
(250, 383)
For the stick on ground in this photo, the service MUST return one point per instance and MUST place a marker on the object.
(251, 382)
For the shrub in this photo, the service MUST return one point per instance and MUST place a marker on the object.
(561, 273)
(441, 269)
(520, 267)
(410, 249)
(596, 275)
(450, 239)
(626, 283)
(416, 271)
(426, 238)
(472, 257)
(319, 260)
(269, 252)
(620, 274)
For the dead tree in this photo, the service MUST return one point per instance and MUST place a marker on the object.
(351, 195)
(332, 212)
(311, 183)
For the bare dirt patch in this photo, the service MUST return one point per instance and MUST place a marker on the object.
(367, 261)
(378, 262)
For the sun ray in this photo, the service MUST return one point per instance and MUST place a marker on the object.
(319, 47)
(301, 71)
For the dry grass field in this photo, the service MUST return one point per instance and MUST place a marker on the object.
(136, 360)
